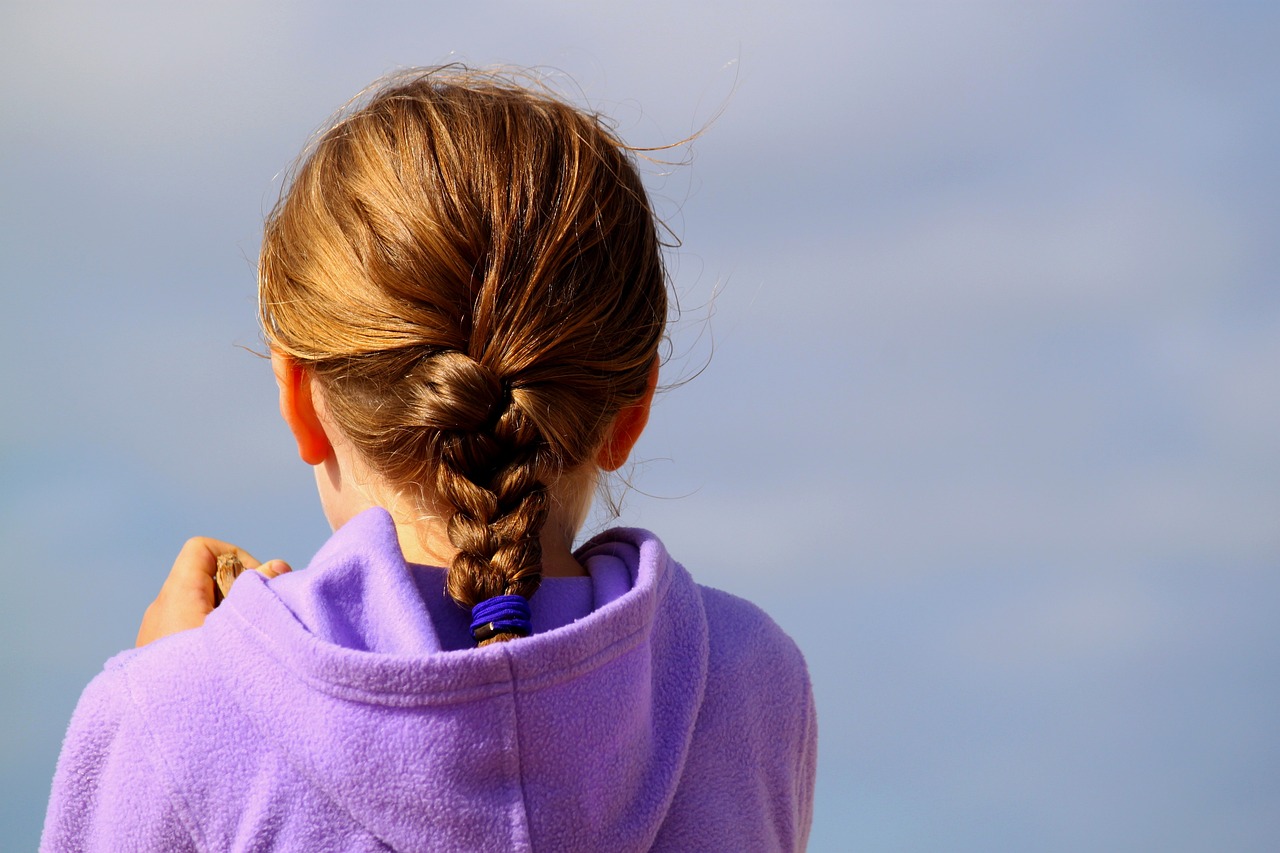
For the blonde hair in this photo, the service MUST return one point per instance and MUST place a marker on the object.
(472, 270)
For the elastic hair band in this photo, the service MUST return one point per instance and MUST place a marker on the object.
(502, 614)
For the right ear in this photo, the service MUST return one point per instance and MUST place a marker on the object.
(298, 408)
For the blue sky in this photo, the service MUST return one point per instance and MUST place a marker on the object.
(986, 299)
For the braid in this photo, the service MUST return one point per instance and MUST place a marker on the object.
(490, 474)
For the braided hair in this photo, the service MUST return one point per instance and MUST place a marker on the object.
(471, 269)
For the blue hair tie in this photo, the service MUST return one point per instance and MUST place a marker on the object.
(502, 614)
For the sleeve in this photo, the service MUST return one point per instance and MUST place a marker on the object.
(108, 793)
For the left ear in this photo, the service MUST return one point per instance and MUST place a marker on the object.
(298, 408)
(627, 425)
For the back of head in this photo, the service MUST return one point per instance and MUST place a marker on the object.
(472, 270)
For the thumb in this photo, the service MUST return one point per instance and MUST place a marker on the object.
(274, 568)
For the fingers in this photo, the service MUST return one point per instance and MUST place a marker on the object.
(197, 565)
(202, 552)
(188, 593)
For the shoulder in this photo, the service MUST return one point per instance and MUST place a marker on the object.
(151, 686)
(117, 697)
(757, 726)
(742, 631)
(753, 663)
(110, 781)
(135, 688)
(741, 638)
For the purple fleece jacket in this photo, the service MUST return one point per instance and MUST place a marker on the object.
(343, 708)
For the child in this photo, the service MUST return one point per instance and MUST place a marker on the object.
(463, 294)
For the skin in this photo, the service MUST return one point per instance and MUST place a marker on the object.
(347, 487)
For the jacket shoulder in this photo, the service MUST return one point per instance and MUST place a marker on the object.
(109, 783)
(744, 640)
(756, 727)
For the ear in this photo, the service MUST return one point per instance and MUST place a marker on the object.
(627, 425)
(297, 407)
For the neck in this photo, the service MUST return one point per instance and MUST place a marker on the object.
(423, 529)
(557, 550)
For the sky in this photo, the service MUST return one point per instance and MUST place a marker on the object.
(975, 385)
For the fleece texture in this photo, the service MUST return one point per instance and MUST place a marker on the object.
(344, 708)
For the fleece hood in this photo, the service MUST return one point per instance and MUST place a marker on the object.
(343, 707)
(557, 737)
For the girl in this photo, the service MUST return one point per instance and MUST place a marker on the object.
(463, 294)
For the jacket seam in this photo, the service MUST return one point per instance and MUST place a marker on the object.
(524, 795)
(177, 796)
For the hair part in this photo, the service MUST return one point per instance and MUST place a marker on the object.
(471, 269)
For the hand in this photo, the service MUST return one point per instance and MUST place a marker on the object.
(186, 597)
